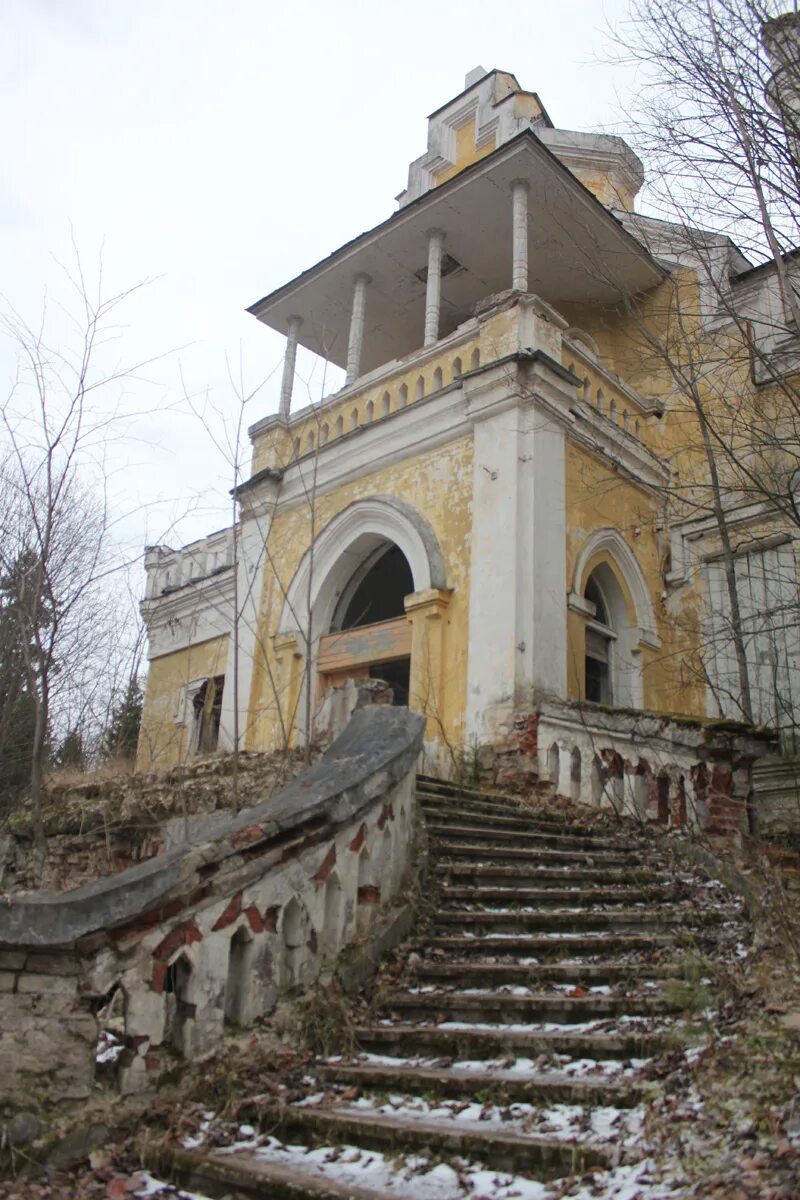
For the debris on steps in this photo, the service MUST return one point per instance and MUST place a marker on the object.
(510, 1053)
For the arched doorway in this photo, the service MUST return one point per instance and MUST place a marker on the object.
(370, 636)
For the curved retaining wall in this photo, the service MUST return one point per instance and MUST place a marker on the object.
(211, 933)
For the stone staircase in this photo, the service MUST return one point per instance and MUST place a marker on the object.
(512, 1048)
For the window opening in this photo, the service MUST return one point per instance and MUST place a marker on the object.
(207, 706)
(381, 592)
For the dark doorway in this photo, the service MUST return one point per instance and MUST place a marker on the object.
(398, 675)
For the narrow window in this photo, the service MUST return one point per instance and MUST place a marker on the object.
(437, 379)
(419, 391)
(386, 404)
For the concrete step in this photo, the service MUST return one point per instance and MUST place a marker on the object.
(471, 1042)
(495, 835)
(504, 1087)
(556, 920)
(473, 827)
(552, 896)
(497, 1148)
(498, 849)
(468, 973)
(533, 875)
(543, 947)
(500, 1008)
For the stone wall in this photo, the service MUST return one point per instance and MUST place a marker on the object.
(678, 772)
(210, 933)
(776, 783)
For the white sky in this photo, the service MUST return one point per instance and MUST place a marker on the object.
(219, 147)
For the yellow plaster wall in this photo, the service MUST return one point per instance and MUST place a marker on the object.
(467, 152)
(598, 498)
(163, 743)
(439, 486)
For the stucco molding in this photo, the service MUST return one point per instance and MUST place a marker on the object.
(611, 542)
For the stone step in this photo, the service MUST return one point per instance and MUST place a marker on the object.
(507, 816)
(543, 947)
(507, 896)
(474, 827)
(498, 850)
(497, 1148)
(500, 1008)
(468, 973)
(471, 1042)
(520, 919)
(244, 1175)
(539, 876)
(494, 835)
(551, 1087)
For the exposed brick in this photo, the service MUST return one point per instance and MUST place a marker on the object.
(270, 918)
(250, 833)
(181, 935)
(369, 893)
(158, 977)
(92, 942)
(326, 866)
(230, 914)
(254, 919)
(359, 839)
(12, 960)
(387, 814)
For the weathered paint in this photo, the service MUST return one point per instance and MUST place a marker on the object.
(165, 733)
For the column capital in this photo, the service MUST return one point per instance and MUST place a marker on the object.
(362, 277)
(520, 183)
(430, 603)
(435, 232)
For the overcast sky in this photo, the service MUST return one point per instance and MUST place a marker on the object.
(219, 147)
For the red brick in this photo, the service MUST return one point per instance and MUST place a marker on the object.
(326, 866)
(387, 814)
(250, 833)
(271, 916)
(359, 839)
(254, 919)
(369, 893)
(230, 914)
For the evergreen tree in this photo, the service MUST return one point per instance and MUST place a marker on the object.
(121, 736)
(71, 752)
(17, 703)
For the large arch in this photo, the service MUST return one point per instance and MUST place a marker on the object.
(347, 542)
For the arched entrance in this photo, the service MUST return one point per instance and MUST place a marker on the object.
(372, 591)
(370, 635)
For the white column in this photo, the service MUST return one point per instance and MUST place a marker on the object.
(433, 293)
(519, 253)
(356, 328)
(289, 359)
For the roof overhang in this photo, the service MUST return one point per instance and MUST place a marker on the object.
(578, 251)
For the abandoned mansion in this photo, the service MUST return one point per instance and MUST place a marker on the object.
(506, 512)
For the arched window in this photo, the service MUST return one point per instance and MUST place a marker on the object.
(297, 447)
(475, 360)
(600, 400)
(310, 440)
(323, 434)
(339, 426)
(419, 390)
(599, 646)
(376, 590)
(637, 428)
(612, 411)
(456, 367)
(437, 379)
(354, 419)
(386, 404)
(403, 395)
(625, 419)
(370, 411)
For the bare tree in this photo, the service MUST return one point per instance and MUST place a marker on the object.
(56, 550)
